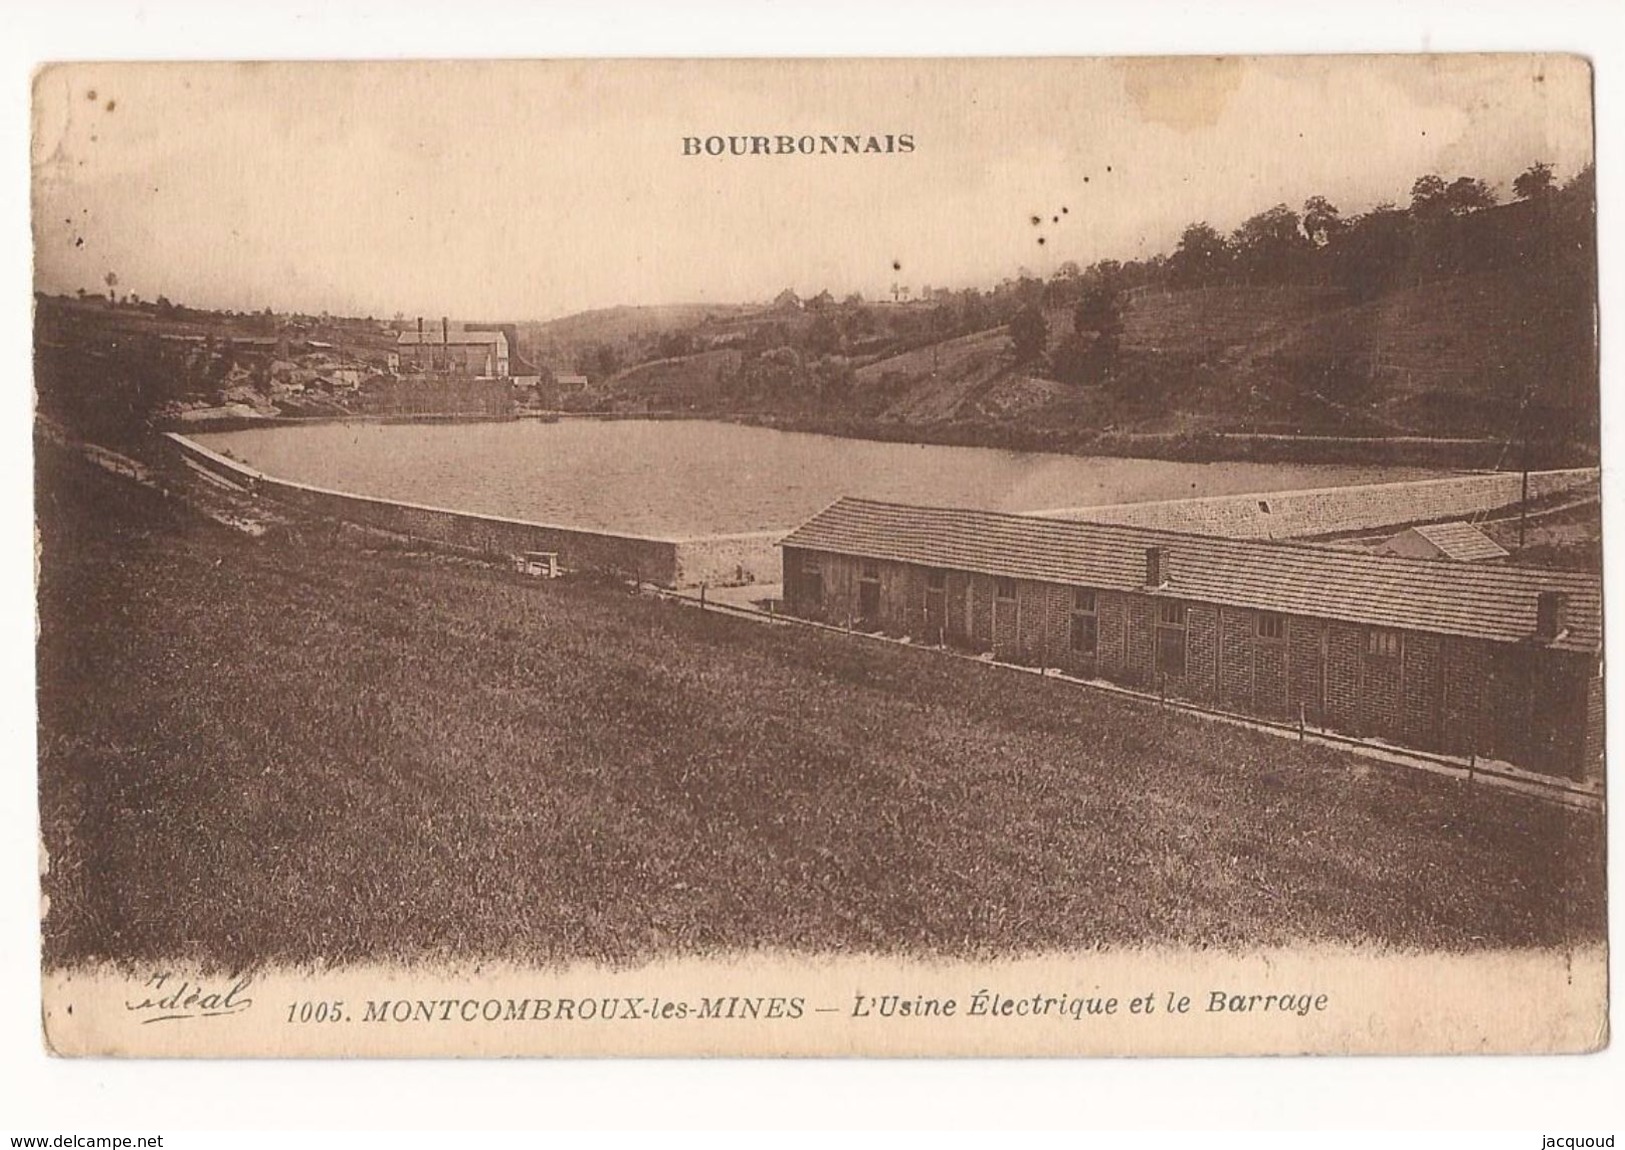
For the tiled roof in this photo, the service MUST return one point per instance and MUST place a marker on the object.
(1461, 541)
(1486, 602)
(457, 337)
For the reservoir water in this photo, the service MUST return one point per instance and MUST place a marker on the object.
(684, 478)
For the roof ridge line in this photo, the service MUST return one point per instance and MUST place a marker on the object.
(1295, 546)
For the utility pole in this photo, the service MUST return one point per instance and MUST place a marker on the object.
(1523, 500)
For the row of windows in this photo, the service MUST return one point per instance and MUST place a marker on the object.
(1170, 613)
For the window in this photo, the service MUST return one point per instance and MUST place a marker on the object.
(1084, 633)
(1085, 630)
(936, 580)
(1005, 589)
(871, 571)
(1383, 644)
(1171, 640)
(1271, 625)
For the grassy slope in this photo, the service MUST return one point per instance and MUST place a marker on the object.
(615, 324)
(676, 382)
(262, 751)
(1427, 361)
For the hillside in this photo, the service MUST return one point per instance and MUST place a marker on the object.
(1437, 360)
(559, 342)
(1457, 325)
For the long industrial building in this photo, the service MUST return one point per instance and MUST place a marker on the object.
(1498, 662)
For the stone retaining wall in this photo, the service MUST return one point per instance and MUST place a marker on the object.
(1333, 510)
(729, 560)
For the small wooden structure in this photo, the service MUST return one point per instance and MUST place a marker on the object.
(540, 564)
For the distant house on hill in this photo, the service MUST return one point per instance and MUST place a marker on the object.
(478, 354)
(1459, 541)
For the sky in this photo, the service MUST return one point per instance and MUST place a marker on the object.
(527, 190)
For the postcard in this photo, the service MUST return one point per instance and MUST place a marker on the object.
(884, 557)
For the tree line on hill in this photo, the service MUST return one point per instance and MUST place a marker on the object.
(1545, 238)
(802, 350)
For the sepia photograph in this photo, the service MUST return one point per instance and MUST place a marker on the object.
(930, 557)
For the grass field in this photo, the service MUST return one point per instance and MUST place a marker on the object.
(289, 751)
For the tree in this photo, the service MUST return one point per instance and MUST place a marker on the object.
(1431, 197)
(1089, 354)
(674, 345)
(1029, 334)
(1373, 250)
(1465, 194)
(1264, 244)
(1535, 183)
(1101, 311)
(1202, 257)
(1321, 221)
(974, 314)
(1428, 195)
(823, 337)
(860, 322)
(111, 280)
(1109, 273)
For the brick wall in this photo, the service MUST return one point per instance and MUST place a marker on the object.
(981, 590)
(1381, 691)
(1201, 653)
(1236, 659)
(1270, 674)
(1305, 681)
(958, 595)
(1112, 622)
(1419, 709)
(1464, 670)
(1345, 656)
(1140, 668)
(1591, 764)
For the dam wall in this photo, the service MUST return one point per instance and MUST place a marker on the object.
(637, 557)
(1334, 510)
